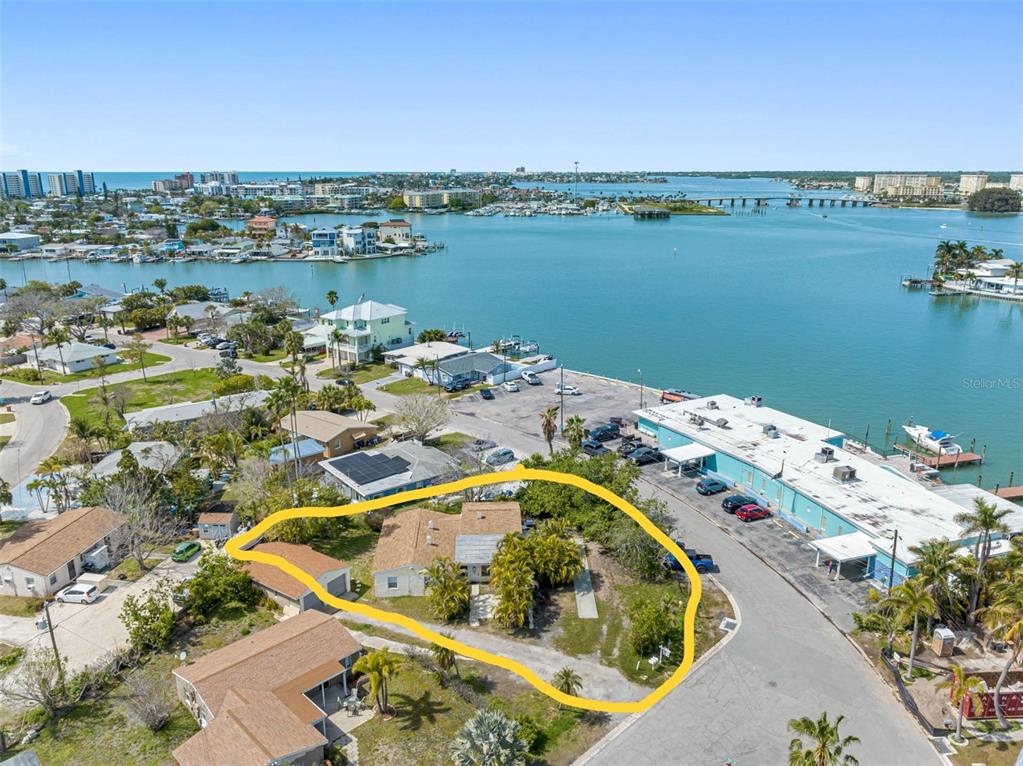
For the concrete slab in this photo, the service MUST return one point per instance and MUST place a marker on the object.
(585, 601)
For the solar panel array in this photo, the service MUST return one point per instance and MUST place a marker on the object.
(363, 468)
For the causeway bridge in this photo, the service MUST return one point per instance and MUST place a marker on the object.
(790, 200)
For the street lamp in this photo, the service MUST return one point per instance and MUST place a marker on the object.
(640, 388)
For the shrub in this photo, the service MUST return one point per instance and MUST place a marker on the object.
(652, 624)
(148, 703)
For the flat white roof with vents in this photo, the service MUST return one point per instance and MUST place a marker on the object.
(876, 502)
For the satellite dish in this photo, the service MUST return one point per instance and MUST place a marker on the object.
(183, 656)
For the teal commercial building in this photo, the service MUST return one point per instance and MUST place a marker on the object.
(850, 504)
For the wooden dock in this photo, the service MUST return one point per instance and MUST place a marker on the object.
(942, 461)
(1010, 493)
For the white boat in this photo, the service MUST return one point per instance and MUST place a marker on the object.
(938, 442)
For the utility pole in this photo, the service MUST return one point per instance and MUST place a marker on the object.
(891, 571)
(53, 640)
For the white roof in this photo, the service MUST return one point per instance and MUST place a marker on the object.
(841, 548)
(365, 311)
(687, 452)
(185, 412)
(436, 350)
(158, 455)
(877, 502)
(75, 352)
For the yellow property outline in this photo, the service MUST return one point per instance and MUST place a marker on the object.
(234, 548)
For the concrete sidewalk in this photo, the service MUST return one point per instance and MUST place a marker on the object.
(585, 601)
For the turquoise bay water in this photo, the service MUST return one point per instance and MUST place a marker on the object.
(803, 309)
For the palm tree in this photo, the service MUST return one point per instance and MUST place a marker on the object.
(549, 426)
(574, 431)
(337, 339)
(962, 688)
(284, 398)
(85, 431)
(1015, 271)
(429, 368)
(160, 284)
(380, 667)
(912, 601)
(488, 739)
(935, 560)
(1005, 618)
(445, 658)
(827, 746)
(447, 588)
(58, 336)
(332, 298)
(985, 520)
(567, 681)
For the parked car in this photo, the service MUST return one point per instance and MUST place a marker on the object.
(111, 346)
(616, 421)
(605, 432)
(644, 455)
(532, 378)
(486, 393)
(593, 447)
(213, 342)
(567, 390)
(224, 346)
(629, 446)
(40, 397)
(228, 353)
(510, 385)
(732, 503)
(78, 594)
(185, 551)
(752, 512)
(500, 456)
(478, 445)
(710, 486)
(702, 562)
(345, 381)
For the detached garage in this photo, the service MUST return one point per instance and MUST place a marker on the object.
(333, 575)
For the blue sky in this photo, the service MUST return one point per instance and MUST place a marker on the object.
(393, 86)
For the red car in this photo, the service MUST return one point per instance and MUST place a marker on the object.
(752, 513)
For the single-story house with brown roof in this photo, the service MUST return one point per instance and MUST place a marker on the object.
(338, 434)
(217, 525)
(41, 557)
(335, 576)
(265, 698)
(409, 542)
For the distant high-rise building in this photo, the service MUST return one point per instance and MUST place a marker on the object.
(165, 185)
(970, 183)
(1016, 181)
(907, 185)
(229, 177)
(185, 180)
(863, 183)
(21, 183)
(71, 183)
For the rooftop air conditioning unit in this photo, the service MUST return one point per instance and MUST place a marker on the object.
(825, 455)
(844, 473)
(429, 539)
(755, 401)
(712, 405)
(721, 422)
(430, 524)
(770, 431)
(696, 419)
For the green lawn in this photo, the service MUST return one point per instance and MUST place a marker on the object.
(181, 340)
(130, 569)
(9, 657)
(173, 387)
(407, 386)
(578, 637)
(29, 375)
(365, 373)
(428, 716)
(152, 360)
(7, 528)
(100, 733)
(987, 753)
(274, 356)
(6, 417)
(451, 443)
(20, 606)
(355, 546)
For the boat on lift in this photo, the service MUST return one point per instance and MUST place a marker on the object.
(938, 442)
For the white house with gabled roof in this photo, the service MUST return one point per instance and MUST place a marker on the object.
(366, 325)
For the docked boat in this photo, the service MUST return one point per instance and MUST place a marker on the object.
(938, 442)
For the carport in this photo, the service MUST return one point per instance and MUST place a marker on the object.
(854, 546)
(686, 455)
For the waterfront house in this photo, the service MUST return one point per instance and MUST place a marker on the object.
(217, 525)
(266, 698)
(359, 240)
(395, 231)
(157, 456)
(41, 557)
(406, 359)
(324, 243)
(260, 225)
(333, 576)
(807, 476)
(20, 242)
(210, 315)
(388, 470)
(412, 540)
(184, 413)
(475, 367)
(367, 326)
(336, 434)
(69, 358)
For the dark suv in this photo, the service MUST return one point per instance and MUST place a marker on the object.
(593, 447)
(605, 433)
(732, 503)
